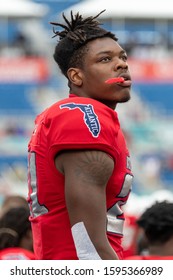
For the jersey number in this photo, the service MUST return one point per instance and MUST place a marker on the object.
(114, 220)
(35, 207)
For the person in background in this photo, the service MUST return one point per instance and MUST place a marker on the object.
(79, 171)
(16, 242)
(12, 201)
(156, 235)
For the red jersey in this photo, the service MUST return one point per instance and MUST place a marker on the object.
(73, 123)
(16, 253)
(131, 230)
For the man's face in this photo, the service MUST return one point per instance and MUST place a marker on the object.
(105, 59)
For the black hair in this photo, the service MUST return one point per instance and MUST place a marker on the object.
(14, 224)
(11, 200)
(77, 32)
(157, 222)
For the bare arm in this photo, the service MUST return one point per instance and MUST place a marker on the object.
(86, 176)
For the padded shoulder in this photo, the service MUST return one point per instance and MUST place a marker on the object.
(81, 123)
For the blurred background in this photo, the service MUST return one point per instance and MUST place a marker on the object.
(30, 81)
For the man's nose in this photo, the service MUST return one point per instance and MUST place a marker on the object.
(121, 64)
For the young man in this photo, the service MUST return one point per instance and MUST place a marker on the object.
(79, 166)
(157, 232)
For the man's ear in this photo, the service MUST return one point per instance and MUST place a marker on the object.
(75, 76)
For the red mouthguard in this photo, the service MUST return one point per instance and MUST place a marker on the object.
(115, 80)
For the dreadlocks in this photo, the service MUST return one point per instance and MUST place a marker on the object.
(157, 222)
(77, 32)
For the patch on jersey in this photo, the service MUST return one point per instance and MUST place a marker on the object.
(90, 117)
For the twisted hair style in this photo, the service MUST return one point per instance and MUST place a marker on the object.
(73, 39)
(13, 226)
(157, 222)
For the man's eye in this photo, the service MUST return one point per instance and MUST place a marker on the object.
(124, 57)
(105, 59)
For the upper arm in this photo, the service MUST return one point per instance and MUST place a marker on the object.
(86, 176)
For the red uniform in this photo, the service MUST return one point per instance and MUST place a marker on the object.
(73, 123)
(131, 230)
(16, 253)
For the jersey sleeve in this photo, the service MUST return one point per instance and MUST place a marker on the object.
(82, 126)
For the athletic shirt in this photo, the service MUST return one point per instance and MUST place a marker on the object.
(72, 124)
(16, 253)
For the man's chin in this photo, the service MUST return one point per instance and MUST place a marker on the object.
(124, 99)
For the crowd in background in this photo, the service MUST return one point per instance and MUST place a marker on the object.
(148, 233)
